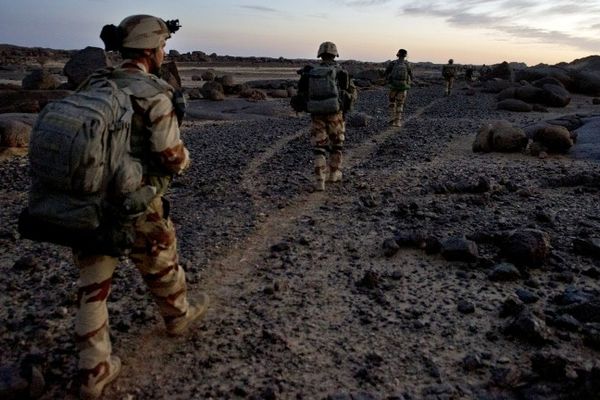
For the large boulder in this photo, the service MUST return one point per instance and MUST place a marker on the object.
(28, 101)
(496, 85)
(14, 133)
(500, 136)
(208, 75)
(555, 95)
(514, 105)
(213, 90)
(40, 79)
(530, 247)
(83, 63)
(540, 72)
(554, 138)
(586, 82)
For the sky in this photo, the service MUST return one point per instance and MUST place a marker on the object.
(469, 31)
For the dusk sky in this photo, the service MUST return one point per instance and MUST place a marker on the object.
(470, 31)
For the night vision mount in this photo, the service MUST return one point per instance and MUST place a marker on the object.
(173, 25)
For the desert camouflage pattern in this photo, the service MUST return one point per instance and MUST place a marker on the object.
(327, 138)
(156, 138)
(157, 143)
(327, 48)
(448, 72)
(397, 98)
(144, 32)
(155, 256)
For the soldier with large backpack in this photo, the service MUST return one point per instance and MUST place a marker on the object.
(101, 161)
(449, 73)
(399, 77)
(327, 93)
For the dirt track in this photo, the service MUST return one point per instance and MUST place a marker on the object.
(304, 303)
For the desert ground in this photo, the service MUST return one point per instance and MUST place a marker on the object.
(337, 294)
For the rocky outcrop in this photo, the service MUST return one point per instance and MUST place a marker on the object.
(83, 63)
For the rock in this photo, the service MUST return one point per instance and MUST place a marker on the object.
(357, 119)
(472, 362)
(209, 75)
(587, 247)
(499, 136)
(196, 78)
(228, 82)
(549, 366)
(254, 94)
(390, 247)
(565, 322)
(40, 79)
(511, 307)
(526, 296)
(279, 93)
(514, 105)
(25, 263)
(279, 247)
(83, 63)
(504, 272)
(554, 138)
(505, 377)
(212, 90)
(28, 101)
(527, 247)
(591, 335)
(529, 328)
(370, 280)
(14, 133)
(496, 86)
(555, 95)
(459, 249)
(465, 307)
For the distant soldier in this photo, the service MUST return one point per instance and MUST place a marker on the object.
(327, 93)
(399, 77)
(449, 72)
(469, 74)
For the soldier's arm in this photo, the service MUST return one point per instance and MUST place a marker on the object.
(409, 71)
(165, 139)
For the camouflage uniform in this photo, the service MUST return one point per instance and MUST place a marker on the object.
(328, 130)
(156, 141)
(449, 72)
(398, 90)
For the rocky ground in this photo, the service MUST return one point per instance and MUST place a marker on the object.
(351, 293)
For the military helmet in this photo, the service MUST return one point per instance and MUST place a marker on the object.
(328, 48)
(144, 32)
(450, 61)
(401, 53)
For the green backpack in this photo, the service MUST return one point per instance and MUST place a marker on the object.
(86, 187)
(323, 91)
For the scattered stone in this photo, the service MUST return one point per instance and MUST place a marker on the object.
(279, 247)
(27, 262)
(465, 307)
(459, 249)
(504, 272)
(591, 335)
(511, 307)
(505, 377)
(587, 246)
(529, 328)
(390, 247)
(40, 79)
(549, 366)
(527, 247)
(358, 119)
(14, 133)
(526, 296)
(514, 105)
(472, 362)
(370, 280)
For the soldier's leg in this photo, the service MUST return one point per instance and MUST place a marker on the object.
(96, 365)
(400, 100)
(320, 143)
(155, 255)
(446, 87)
(450, 85)
(393, 105)
(336, 130)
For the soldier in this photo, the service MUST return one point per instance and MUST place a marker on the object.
(449, 72)
(399, 77)
(469, 74)
(327, 93)
(156, 142)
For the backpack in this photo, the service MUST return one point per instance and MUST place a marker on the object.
(448, 71)
(86, 187)
(399, 72)
(323, 91)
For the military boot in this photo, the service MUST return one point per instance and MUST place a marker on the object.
(94, 386)
(334, 176)
(180, 325)
(320, 185)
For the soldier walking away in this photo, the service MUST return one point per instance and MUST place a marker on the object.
(156, 146)
(399, 77)
(449, 72)
(327, 92)
(469, 70)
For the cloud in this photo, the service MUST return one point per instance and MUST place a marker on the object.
(513, 18)
(365, 3)
(260, 8)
